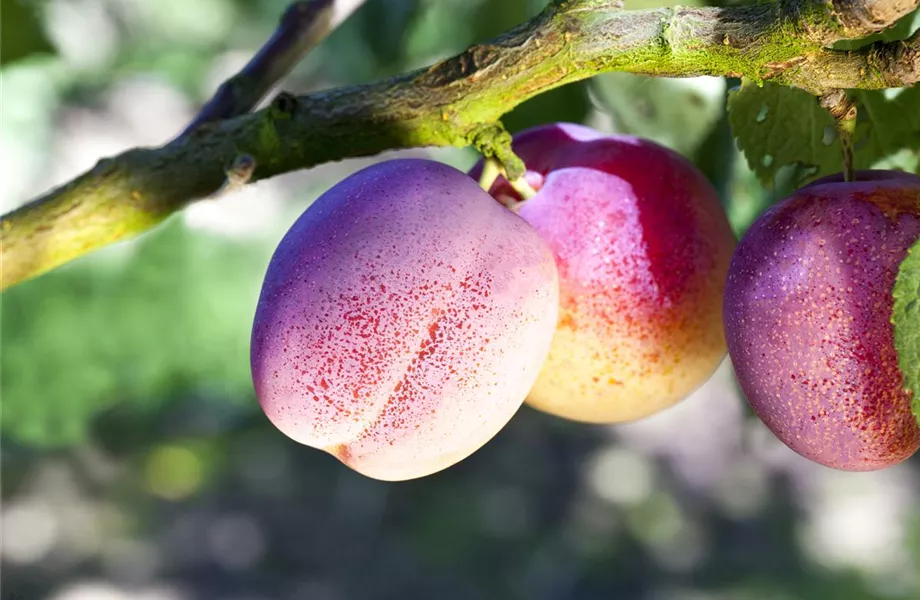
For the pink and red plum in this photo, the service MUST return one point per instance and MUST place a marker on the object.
(403, 319)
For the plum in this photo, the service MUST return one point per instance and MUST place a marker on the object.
(642, 245)
(403, 319)
(808, 308)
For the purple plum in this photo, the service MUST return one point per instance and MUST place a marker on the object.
(807, 314)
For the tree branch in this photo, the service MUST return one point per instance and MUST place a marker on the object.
(457, 102)
(303, 25)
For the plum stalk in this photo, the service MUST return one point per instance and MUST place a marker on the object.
(844, 112)
(452, 101)
(491, 171)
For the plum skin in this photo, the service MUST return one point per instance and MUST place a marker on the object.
(643, 246)
(807, 314)
(402, 320)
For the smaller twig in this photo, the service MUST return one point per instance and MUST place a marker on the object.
(522, 187)
(302, 26)
(494, 142)
(491, 170)
(844, 112)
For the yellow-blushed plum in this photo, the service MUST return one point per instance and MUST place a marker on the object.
(642, 245)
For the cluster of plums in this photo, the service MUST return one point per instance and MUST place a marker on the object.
(407, 315)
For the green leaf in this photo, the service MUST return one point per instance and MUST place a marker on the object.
(906, 319)
(678, 113)
(888, 129)
(777, 126)
(21, 32)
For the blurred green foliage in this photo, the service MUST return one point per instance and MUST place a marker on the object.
(679, 113)
(21, 32)
(168, 314)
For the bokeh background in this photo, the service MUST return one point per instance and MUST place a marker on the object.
(137, 465)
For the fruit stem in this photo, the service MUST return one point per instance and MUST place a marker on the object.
(523, 188)
(493, 141)
(846, 129)
(491, 169)
(844, 112)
